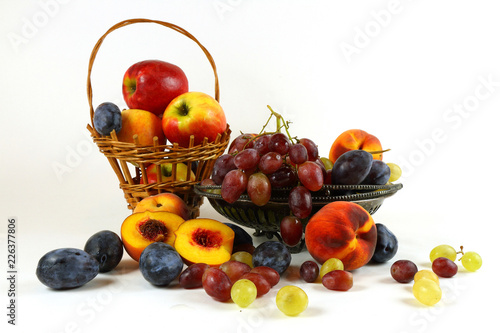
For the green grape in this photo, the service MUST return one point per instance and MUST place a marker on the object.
(243, 256)
(426, 274)
(446, 251)
(471, 261)
(331, 264)
(427, 291)
(243, 292)
(395, 172)
(291, 300)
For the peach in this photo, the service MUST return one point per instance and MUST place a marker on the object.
(355, 139)
(164, 202)
(141, 229)
(342, 230)
(145, 124)
(204, 240)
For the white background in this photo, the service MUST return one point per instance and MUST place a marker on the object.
(423, 76)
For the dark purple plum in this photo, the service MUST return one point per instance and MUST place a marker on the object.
(107, 117)
(272, 254)
(160, 264)
(387, 245)
(241, 236)
(379, 174)
(351, 167)
(107, 247)
(66, 268)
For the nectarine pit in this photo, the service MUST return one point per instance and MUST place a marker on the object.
(207, 238)
(153, 230)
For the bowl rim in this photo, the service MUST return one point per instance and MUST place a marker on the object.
(319, 197)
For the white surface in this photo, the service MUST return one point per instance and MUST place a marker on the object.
(406, 84)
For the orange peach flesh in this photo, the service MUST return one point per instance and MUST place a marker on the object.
(141, 229)
(204, 240)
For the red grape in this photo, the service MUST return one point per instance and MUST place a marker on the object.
(403, 271)
(291, 230)
(261, 144)
(285, 176)
(311, 176)
(241, 142)
(270, 162)
(263, 286)
(234, 184)
(191, 277)
(312, 149)
(234, 269)
(298, 153)
(217, 284)
(279, 143)
(309, 271)
(300, 202)
(444, 267)
(223, 164)
(259, 188)
(338, 280)
(247, 159)
(270, 274)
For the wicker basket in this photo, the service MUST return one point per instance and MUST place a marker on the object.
(130, 160)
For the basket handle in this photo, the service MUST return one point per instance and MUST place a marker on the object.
(140, 20)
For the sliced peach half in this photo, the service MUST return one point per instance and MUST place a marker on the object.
(141, 229)
(204, 240)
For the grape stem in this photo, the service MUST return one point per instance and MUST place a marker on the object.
(461, 252)
(279, 124)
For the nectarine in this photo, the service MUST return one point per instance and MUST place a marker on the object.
(204, 240)
(352, 140)
(141, 229)
(164, 202)
(143, 123)
(342, 230)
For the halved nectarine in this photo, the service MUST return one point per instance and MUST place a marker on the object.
(204, 240)
(141, 229)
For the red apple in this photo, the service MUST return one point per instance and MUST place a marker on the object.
(152, 84)
(193, 113)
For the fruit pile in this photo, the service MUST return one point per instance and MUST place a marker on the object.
(426, 288)
(220, 258)
(257, 164)
(161, 108)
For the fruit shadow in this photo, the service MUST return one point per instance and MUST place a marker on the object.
(126, 266)
(292, 274)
